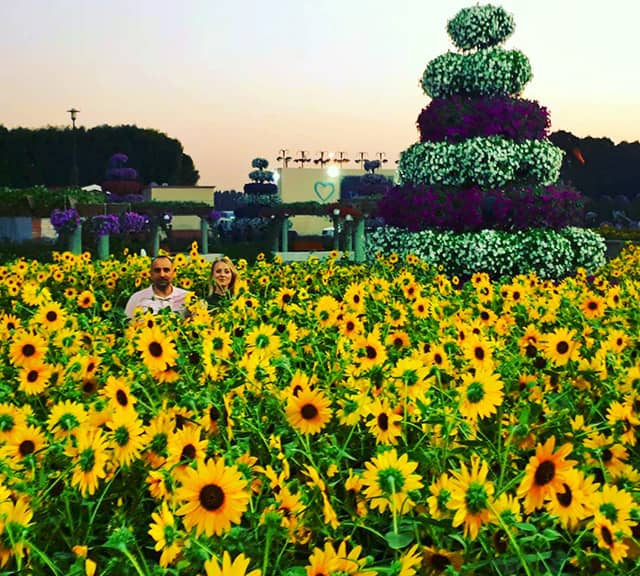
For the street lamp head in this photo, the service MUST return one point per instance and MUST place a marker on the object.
(74, 113)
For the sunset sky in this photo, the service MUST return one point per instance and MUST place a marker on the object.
(236, 79)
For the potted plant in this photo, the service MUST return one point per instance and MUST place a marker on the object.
(261, 179)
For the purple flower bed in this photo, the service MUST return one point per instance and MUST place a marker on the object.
(65, 221)
(132, 222)
(518, 208)
(458, 118)
(104, 225)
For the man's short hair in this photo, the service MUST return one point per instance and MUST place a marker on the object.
(161, 256)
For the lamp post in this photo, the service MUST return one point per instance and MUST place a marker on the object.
(74, 167)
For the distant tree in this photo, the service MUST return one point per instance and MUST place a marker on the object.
(43, 155)
(598, 167)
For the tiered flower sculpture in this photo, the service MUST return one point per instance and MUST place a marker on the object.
(483, 160)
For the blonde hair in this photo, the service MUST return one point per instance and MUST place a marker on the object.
(213, 286)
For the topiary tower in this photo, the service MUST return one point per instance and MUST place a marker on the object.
(484, 160)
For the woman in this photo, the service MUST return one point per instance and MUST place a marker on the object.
(222, 281)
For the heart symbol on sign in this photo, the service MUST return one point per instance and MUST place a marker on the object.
(324, 190)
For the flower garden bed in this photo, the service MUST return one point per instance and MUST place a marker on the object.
(335, 419)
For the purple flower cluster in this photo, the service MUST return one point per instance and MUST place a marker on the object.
(132, 223)
(104, 225)
(471, 209)
(460, 117)
(117, 170)
(65, 221)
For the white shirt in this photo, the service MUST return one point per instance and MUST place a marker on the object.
(147, 300)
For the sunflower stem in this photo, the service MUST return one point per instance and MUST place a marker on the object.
(512, 540)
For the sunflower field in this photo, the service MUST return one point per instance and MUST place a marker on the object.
(335, 419)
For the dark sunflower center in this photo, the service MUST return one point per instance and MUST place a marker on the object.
(565, 498)
(51, 316)
(478, 352)
(592, 305)
(155, 349)
(188, 453)
(211, 497)
(371, 352)
(545, 473)
(383, 422)
(607, 455)
(28, 350)
(214, 414)
(26, 447)
(440, 562)
(286, 298)
(562, 347)
(437, 359)
(309, 412)
(606, 535)
(122, 398)
(32, 376)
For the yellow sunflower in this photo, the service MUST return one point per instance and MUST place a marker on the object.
(126, 436)
(64, 418)
(26, 440)
(214, 496)
(387, 481)
(545, 474)
(471, 496)
(86, 299)
(117, 393)
(90, 459)
(263, 341)
(185, 447)
(309, 412)
(237, 567)
(438, 502)
(560, 346)
(369, 351)
(27, 347)
(480, 394)
(609, 539)
(219, 341)
(34, 377)
(384, 422)
(158, 351)
(165, 535)
(50, 316)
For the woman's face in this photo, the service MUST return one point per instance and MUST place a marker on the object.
(222, 274)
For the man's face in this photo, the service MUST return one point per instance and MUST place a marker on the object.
(162, 273)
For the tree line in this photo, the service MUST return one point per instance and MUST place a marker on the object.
(45, 156)
(598, 167)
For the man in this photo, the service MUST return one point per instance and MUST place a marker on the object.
(162, 293)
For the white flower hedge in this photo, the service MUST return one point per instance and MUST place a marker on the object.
(490, 162)
(488, 72)
(480, 27)
(550, 254)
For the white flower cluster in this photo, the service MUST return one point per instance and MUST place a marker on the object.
(589, 248)
(480, 27)
(548, 253)
(487, 72)
(490, 162)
